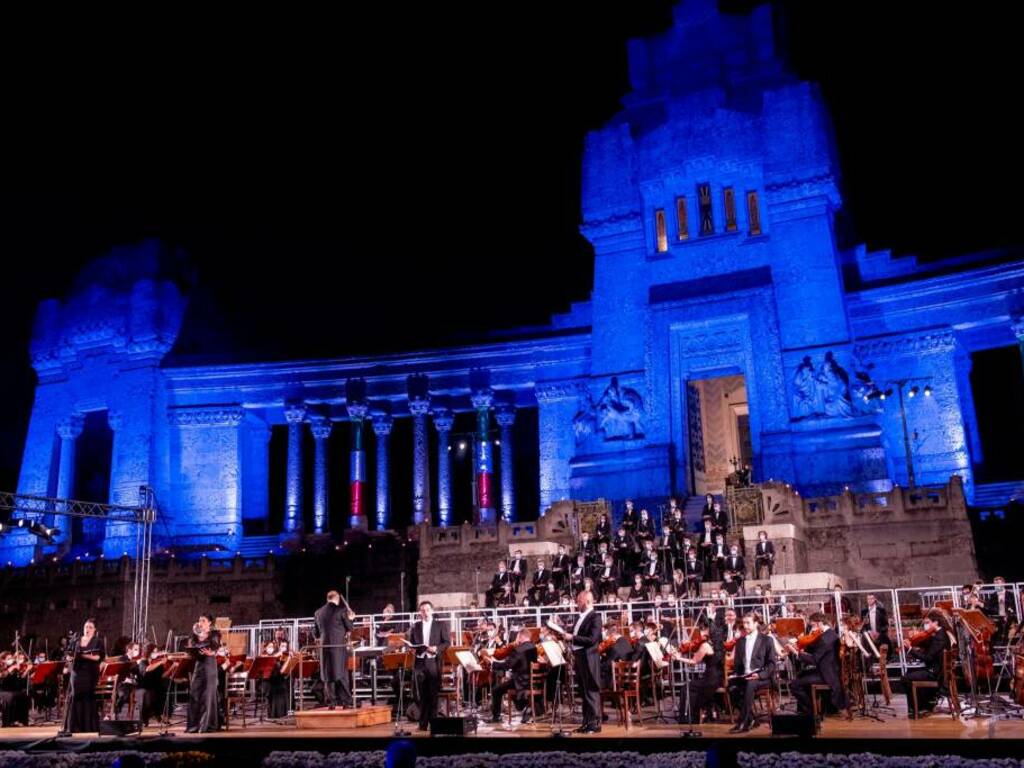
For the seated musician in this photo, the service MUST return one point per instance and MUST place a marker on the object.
(15, 671)
(734, 565)
(560, 567)
(518, 665)
(615, 647)
(764, 555)
(818, 651)
(607, 577)
(130, 682)
(501, 587)
(875, 622)
(706, 647)
(541, 577)
(753, 669)
(927, 646)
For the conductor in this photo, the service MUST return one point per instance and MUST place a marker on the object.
(332, 623)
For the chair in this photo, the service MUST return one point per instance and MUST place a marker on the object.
(626, 680)
(948, 681)
(236, 688)
(817, 688)
(538, 687)
(724, 693)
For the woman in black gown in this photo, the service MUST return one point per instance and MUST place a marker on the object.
(202, 693)
(88, 653)
(710, 652)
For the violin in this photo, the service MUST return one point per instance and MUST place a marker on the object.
(606, 645)
(808, 639)
(923, 636)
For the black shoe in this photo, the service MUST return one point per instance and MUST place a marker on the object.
(526, 720)
(736, 728)
(582, 729)
(191, 730)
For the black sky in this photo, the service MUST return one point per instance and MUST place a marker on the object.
(331, 177)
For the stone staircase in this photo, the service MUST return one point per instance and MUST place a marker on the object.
(259, 546)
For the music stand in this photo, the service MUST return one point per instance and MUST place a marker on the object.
(261, 670)
(180, 667)
(44, 674)
(401, 661)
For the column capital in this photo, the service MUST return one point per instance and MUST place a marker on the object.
(115, 420)
(444, 420)
(382, 424)
(71, 427)
(483, 398)
(506, 416)
(419, 406)
(294, 413)
(357, 411)
(321, 427)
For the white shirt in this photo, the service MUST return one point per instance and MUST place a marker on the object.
(426, 636)
(576, 629)
(749, 647)
(871, 617)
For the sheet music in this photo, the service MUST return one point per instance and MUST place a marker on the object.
(557, 628)
(468, 661)
(656, 655)
(553, 652)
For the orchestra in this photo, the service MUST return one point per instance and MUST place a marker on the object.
(622, 595)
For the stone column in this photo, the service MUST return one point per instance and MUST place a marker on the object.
(1018, 331)
(419, 406)
(484, 466)
(382, 424)
(68, 430)
(321, 429)
(295, 415)
(506, 417)
(357, 467)
(443, 421)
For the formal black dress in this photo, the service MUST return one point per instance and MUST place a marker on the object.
(702, 689)
(85, 673)
(154, 691)
(203, 703)
(277, 694)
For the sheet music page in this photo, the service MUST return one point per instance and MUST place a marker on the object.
(554, 653)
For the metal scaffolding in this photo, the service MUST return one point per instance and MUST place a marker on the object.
(142, 517)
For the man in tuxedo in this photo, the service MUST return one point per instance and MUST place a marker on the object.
(734, 565)
(875, 621)
(331, 625)
(753, 669)
(517, 569)
(585, 640)
(931, 653)
(606, 577)
(587, 548)
(560, 568)
(501, 584)
(764, 555)
(431, 637)
(999, 607)
(719, 519)
(541, 577)
(518, 663)
(820, 665)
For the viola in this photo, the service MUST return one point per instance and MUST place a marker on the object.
(923, 636)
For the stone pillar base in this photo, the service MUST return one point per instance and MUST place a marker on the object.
(358, 523)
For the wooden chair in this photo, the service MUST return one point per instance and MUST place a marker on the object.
(626, 676)
(538, 688)
(236, 689)
(947, 681)
(817, 688)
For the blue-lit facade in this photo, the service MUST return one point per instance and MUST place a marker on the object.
(724, 323)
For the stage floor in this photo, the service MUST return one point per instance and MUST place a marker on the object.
(937, 726)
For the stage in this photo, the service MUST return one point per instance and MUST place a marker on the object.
(935, 734)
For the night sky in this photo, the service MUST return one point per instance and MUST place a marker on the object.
(332, 179)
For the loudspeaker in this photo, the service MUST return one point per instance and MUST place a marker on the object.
(452, 726)
(120, 727)
(802, 726)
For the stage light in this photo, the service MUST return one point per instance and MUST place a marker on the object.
(912, 392)
(927, 390)
(881, 395)
(462, 446)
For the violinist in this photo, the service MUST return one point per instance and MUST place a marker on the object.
(927, 646)
(129, 683)
(277, 683)
(818, 650)
(764, 555)
(705, 646)
(202, 692)
(87, 653)
(151, 683)
(875, 622)
(517, 663)
(614, 647)
(15, 671)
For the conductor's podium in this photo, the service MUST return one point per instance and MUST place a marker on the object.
(332, 719)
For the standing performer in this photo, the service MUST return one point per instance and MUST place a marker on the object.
(85, 673)
(432, 637)
(586, 639)
(332, 623)
(202, 690)
(764, 555)
(708, 648)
